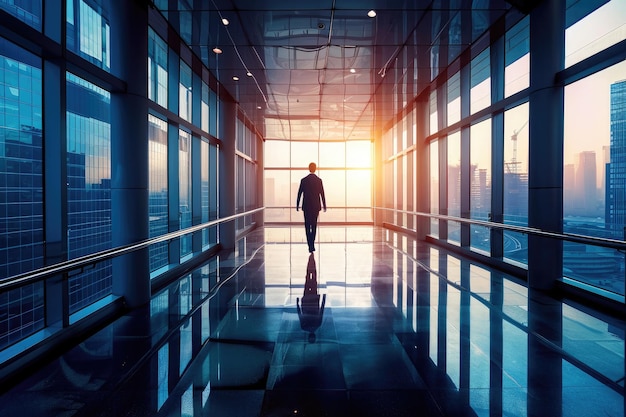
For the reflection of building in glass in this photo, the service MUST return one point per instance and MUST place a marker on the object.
(21, 191)
(89, 187)
(454, 190)
(480, 193)
(158, 191)
(616, 180)
(586, 194)
(516, 189)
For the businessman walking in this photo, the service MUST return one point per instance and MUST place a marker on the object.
(311, 190)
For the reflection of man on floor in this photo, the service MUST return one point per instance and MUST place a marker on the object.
(310, 311)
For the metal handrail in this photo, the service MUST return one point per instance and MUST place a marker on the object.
(21, 280)
(570, 237)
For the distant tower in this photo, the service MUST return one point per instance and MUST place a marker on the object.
(586, 184)
(616, 182)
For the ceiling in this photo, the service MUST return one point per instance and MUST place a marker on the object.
(314, 70)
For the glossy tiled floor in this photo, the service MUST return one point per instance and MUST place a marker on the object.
(371, 324)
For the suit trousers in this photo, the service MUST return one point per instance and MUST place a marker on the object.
(310, 226)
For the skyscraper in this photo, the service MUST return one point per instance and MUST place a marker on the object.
(616, 183)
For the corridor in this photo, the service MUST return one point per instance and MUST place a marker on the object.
(385, 326)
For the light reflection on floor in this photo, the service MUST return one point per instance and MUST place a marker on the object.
(390, 327)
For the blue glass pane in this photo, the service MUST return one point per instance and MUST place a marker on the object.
(89, 187)
(157, 195)
(30, 12)
(21, 190)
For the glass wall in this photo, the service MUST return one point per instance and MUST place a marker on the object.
(30, 12)
(517, 58)
(480, 183)
(515, 196)
(434, 186)
(489, 101)
(594, 179)
(480, 92)
(157, 190)
(63, 178)
(593, 26)
(185, 96)
(89, 32)
(89, 187)
(157, 69)
(454, 185)
(184, 189)
(344, 167)
(21, 190)
(247, 167)
(21, 161)
(204, 189)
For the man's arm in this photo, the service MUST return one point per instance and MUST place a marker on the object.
(322, 194)
(299, 195)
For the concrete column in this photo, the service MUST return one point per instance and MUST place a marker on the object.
(545, 176)
(497, 149)
(378, 169)
(129, 149)
(55, 191)
(465, 86)
(422, 170)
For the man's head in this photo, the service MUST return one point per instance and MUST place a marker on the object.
(312, 167)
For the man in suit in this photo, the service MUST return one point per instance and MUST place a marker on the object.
(312, 190)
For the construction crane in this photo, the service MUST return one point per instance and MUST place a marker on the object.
(514, 162)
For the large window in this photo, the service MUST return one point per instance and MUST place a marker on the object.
(480, 183)
(30, 12)
(515, 196)
(434, 186)
(185, 96)
(592, 29)
(21, 190)
(157, 190)
(454, 185)
(184, 189)
(517, 58)
(344, 167)
(454, 99)
(480, 92)
(204, 188)
(246, 190)
(88, 31)
(89, 187)
(594, 176)
(157, 69)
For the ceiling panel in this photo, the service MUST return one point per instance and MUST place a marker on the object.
(309, 70)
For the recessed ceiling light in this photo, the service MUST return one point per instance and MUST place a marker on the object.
(235, 78)
(249, 74)
(371, 13)
(217, 50)
(352, 70)
(225, 21)
(259, 107)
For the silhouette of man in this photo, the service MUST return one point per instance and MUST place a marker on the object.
(310, 312)
(312, 190)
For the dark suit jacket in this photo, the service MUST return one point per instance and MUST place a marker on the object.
(313, 190)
